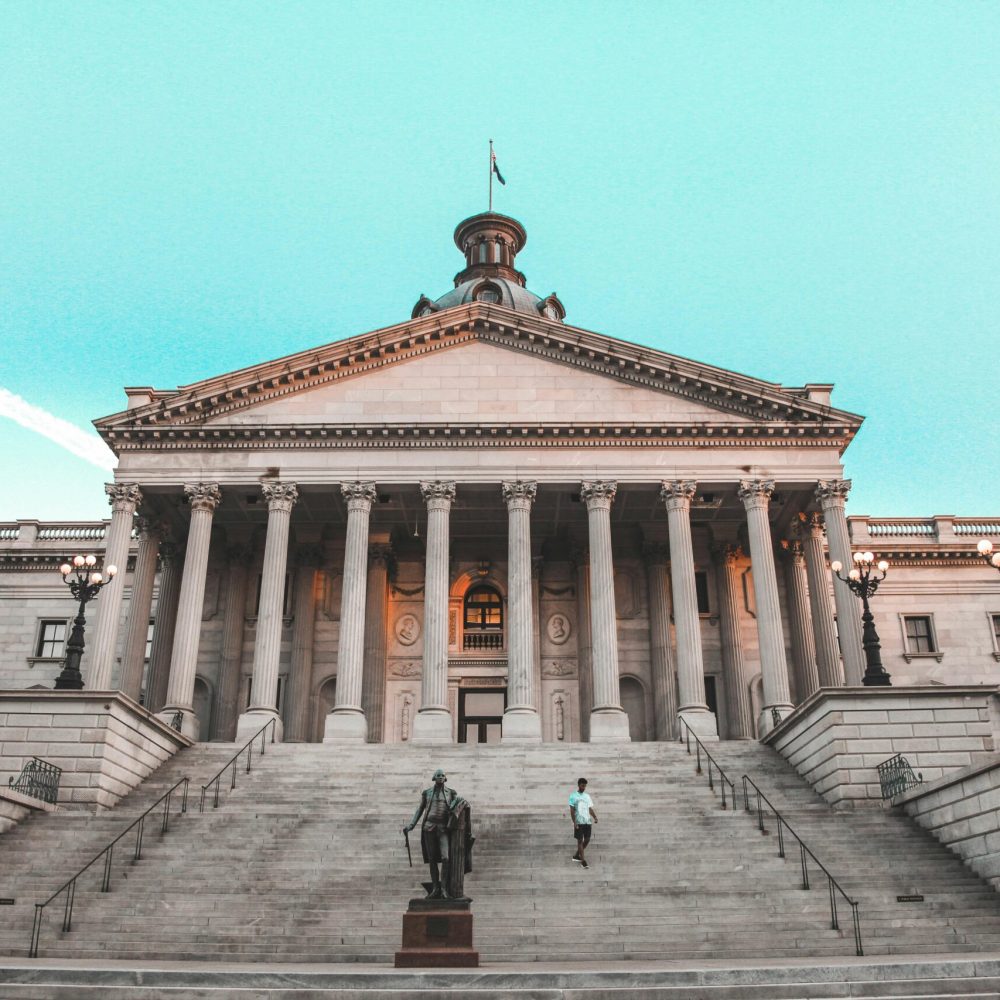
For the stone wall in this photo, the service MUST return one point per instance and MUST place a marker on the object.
(963, 811)
(15, 807)
(838, 737)
(104, 742)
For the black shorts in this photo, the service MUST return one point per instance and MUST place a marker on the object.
(582, 831)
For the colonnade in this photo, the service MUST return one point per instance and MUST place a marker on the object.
(816, 657)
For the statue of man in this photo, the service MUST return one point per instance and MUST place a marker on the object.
(445, 838)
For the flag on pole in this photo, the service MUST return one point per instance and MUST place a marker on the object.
(496, 169)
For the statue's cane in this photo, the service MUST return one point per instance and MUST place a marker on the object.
(406, 837)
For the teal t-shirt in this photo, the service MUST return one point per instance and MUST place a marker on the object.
(580, 803)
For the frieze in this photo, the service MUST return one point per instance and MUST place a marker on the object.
(559, 668)
(406, 668)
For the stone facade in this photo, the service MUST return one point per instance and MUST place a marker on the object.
(485, 524)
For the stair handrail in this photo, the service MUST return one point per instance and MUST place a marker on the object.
(107, 852)
(248, 749)
(833, 886)
(700, 749)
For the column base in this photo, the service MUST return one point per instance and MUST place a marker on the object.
(432, 725)
(190, 726)
(346, 725)
(766, 721)
(253, 720)
(521, 725)
(702, 723)
(609, 725)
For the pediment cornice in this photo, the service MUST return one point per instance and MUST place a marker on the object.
(761, 404)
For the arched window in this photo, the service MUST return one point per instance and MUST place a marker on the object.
(483, 618)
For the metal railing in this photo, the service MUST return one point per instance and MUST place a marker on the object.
(896, 776)
(700, 750)
(231, 764)
(833, 885)
(39, 779)
(69, 887)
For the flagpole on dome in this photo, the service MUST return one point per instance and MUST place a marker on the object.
(491, 175)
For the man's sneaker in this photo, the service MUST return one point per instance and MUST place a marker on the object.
(584, 863)
(576, 857)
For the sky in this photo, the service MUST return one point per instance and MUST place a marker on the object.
(802, 192)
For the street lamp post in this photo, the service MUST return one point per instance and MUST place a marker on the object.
(85, 583)
(985, 549)
(864, 584)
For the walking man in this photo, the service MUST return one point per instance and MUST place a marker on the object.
(581, 812)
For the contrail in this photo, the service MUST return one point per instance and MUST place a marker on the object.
(74, 439)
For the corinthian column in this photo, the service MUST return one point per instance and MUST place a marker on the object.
(521, 723)
(280, 499)
(298, 693)
(803, 648)
(373, 683)
(203, 499)
(139, 608)
(660, 656)
(824, 631)
(233, 625)
(347, 723)
(677, 497)
(584, 650)
(756, 497)
(608, 721)
(832, 496)
(433, 721)
(727, 558)
(124, 498)
(164, 626)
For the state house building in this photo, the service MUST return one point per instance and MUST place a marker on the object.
(483, 524)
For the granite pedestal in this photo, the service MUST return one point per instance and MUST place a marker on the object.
(437, 934)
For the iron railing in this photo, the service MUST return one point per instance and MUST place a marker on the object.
(39, 779)
(833, 885)
(231, 764)
(895, 776)
(108, 854)
(700, 750)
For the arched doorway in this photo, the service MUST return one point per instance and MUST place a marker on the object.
(203, 708)
(324, 706)
(633, 699)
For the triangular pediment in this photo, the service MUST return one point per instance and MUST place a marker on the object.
(479, 365)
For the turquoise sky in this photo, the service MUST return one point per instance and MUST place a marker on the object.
(801, 192)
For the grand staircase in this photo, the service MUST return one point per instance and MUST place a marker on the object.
(305, 863)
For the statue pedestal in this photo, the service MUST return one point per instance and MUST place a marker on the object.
(437, 934)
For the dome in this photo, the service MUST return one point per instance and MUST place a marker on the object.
(490, 243)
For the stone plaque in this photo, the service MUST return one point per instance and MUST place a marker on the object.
(407, 629)
(558, 628)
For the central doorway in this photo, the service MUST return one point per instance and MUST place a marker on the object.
(480, 715)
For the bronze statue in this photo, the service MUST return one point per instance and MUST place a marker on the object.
(445, 838)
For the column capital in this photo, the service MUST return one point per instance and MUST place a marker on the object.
(280, 496)
(833, 492)
(755, 492)
(359, 495)
(598, 494)
(123, 497)
(309, 555)
(519, 495)
(203, 496)
(147, 528)
(677, 494)
(380, 553)
(728, 553)
(656, 553)
(793, 548)
(239, 555)
(812, 523)
(438, 495)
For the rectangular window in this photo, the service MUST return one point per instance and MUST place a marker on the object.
(149, 640)
(919, 636)
(51, 639)
(701, 589)
(995, 623)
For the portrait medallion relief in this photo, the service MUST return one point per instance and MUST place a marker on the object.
(407, 629)
(558, 629)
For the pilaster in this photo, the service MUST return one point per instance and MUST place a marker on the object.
(661, 659)
(831, 673)
(727, 570)
(140, 608)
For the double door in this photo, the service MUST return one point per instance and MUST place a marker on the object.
(480, 715)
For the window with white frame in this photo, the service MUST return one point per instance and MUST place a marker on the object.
(919, 637)
(149, 640)
(995, 632)
(51, 639)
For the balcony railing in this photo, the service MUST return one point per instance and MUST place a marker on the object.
(482, 640)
